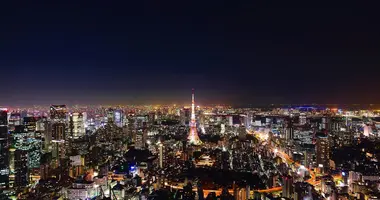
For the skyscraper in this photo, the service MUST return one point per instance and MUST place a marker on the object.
(45, 165)
(193, 136)
(289, 131)
(322, 151)
(58, 117)
(4, 149)
(21, 168)
(47, 136)
(77, 125)
(58, 139)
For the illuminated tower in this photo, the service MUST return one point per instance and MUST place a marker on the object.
(193, 135)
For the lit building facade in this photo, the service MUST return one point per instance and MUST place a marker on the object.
(83, 190)
(58, 140)
(58, 112)
(30, 124)
(21, 168)
(77, 125)
(322, 151)
(4, 149)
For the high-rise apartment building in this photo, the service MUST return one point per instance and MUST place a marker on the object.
(323, 151)
(289, 130)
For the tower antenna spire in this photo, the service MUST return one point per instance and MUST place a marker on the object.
(193, 135)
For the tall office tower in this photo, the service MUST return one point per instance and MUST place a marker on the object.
(287, 187)
(58, 140)
(45, 166)
(4, 149)
(47, 136)
(21, 168)
(193, 135)
(289, 130)
(58, 112)
(323, 151)
(77, 128)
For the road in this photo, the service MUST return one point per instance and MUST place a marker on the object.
(285, 157)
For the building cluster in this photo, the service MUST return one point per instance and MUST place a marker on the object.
(190, 152)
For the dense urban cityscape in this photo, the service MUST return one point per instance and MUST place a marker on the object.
(189, 100)
(189, 152)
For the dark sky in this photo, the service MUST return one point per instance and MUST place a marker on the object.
(232, 52)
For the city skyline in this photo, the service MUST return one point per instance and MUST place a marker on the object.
(189, 100)
(152, 53)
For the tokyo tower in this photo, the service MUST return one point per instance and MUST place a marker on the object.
(193, 135)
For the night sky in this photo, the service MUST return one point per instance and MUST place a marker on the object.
(154, 52)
